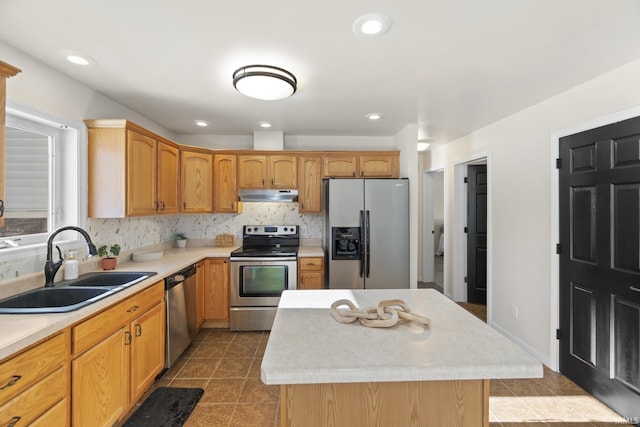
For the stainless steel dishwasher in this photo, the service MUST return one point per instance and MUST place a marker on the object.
(182, 327)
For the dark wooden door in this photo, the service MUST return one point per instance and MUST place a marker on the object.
(477, 234)
(600, 263)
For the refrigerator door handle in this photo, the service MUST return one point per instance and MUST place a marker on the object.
(367, 243)
(361, 240)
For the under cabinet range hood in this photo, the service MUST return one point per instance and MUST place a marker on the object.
(279, 196)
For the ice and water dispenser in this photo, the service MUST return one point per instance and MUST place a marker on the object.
(346, 243)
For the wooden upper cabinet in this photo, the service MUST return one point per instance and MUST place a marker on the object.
(196, 181)
(267, 171)
(132, 172)
(309, 184)
(379, 166)
(282, 172)
(338, 166)
(225, 188)
(6, 71)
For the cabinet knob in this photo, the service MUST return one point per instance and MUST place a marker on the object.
(132, 309)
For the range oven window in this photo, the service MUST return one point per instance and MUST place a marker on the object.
(263, 280)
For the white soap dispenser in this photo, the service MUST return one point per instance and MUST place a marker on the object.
(71, 266)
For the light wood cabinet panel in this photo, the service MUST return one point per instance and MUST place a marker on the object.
(196, 182)
(141, 175)
(339, 166)
(382, 166)
(216, 289)
(168, 179)
(200, 278)
(309, 184)
(36, 400)
(147, 351)
(132, 171)
(310, 273)
(272, 171)
(225, 189)
(100, 382)
(56, 416)
(252, 171)
(282, 172)
(6, 71)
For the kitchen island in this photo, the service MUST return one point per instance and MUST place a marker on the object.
(333, 373)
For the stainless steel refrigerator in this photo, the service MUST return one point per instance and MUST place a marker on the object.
(366, 233)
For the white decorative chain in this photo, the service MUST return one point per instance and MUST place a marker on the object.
(388, 313)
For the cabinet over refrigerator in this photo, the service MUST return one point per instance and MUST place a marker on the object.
(366, 233)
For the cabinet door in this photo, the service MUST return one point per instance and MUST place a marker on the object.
(147, 349)
(200, 278)
(168, 179)
(197, 182)
(379, 166)
(225, 189)
(252, 171)
(141, 174)
(216, 289)
(100, 381)
(282, 172)
(309, 184)
(340, 166)
(310, 280)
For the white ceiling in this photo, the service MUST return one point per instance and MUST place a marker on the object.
(452, 66)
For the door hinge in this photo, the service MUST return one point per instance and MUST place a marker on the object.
(466, 230)
(557, 334)
(466, 279)
(558, 249)
(466, 180)
(558, 163)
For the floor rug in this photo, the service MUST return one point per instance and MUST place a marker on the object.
(166, 407)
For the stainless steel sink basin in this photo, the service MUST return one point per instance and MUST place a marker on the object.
(109, 279)
(53, 300)
(71, 295)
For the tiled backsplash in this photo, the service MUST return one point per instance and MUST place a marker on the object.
(134, 233)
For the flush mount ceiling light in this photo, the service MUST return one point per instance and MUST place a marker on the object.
(265, 125)
(371, 25)
(202, 123)
(374, 116)
(264, 82)
(423, 144)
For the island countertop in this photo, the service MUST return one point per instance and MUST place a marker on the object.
(308, 346)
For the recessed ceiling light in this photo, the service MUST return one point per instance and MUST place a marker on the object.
(77, 58)
(374, 116)
(202, 123)
(371, 25)
(264, 124)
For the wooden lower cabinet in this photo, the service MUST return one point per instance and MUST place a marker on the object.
(110, 373)
(216, 290)
(311, 273)
(200, 279)
(35, 382)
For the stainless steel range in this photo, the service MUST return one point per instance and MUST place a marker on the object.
(261, 269)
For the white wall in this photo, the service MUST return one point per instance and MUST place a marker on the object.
(523, 209)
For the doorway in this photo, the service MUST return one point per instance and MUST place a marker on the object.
(433, 237)
(599, 252)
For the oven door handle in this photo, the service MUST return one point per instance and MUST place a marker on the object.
(264, 259)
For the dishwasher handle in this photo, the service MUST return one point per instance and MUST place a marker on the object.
(179, 277)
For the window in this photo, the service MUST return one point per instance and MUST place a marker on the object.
(42, 177)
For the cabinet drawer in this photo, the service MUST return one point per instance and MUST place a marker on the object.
(35, 401)
(56, 416)
(310, 264)
(93, 330)
(19, 372)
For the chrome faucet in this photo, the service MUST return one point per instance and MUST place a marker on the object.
(50, 267)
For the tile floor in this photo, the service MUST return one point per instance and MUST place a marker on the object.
(227, 366)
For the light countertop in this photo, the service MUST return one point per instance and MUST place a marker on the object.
(308, 346)
(310, 251)
(18, 331)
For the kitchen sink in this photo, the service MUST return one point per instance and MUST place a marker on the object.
(108, 279)
(71, 295)
(53, 300)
